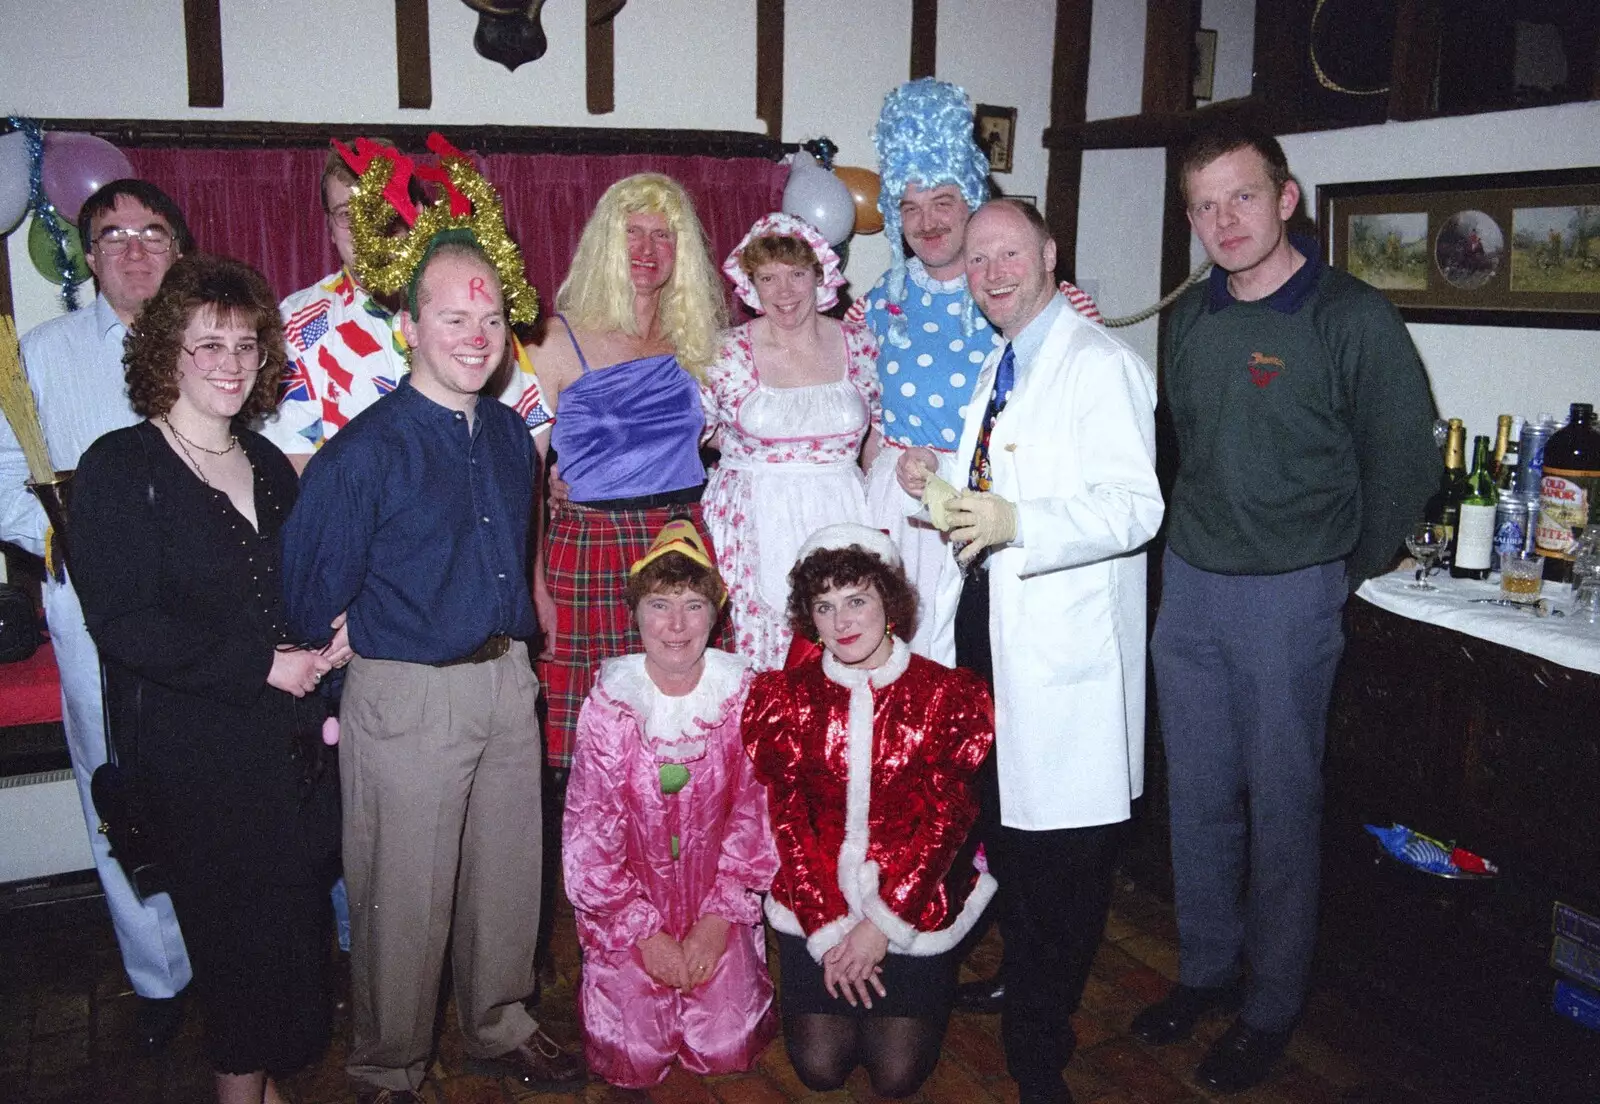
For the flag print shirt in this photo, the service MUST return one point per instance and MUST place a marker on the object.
(345, 352)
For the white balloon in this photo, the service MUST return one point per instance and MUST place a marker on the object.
(15, 186)
(822, 199)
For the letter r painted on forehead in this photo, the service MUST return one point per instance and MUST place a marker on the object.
(477, 289)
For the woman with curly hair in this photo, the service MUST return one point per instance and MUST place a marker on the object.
(797, 398)
(868, 754)
(174, 548)
(620, 372)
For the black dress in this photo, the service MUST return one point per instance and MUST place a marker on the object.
(183, 599)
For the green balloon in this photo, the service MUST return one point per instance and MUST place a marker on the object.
(42, 250)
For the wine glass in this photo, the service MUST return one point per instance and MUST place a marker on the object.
(1426, 543)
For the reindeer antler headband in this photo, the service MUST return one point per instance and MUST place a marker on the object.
(390, 265)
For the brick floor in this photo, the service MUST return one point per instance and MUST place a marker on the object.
(65, 1011)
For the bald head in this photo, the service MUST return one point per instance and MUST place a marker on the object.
(1010, 262)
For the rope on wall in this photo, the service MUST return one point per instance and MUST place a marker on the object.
(1166, 301)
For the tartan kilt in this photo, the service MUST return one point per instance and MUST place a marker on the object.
(587, 556)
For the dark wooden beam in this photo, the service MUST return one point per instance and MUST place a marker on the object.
(1416, 59)
(1146, 131)
(924, 37)
(1168, 56)
(1069, 93)
(6, 305)
(769, 66)
(413, 63)
(1279, 57)
(600, 54)
(202, 38)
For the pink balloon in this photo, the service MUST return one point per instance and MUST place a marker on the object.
(78, 165)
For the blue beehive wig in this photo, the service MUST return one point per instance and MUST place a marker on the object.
(924, 135)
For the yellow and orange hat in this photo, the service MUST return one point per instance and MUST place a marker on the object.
(680, 536)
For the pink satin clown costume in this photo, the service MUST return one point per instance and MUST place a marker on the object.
(640, 860)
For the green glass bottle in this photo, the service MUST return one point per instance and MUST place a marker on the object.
(1475, 526)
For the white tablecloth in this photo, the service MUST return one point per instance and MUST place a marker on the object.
(1562, 640)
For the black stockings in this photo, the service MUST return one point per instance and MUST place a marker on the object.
(898, 1051)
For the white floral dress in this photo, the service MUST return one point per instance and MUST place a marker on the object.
(789, 466)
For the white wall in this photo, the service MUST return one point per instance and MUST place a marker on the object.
(679, 64)
(1477, 372)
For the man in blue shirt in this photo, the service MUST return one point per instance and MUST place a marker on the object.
(132, 233)
(414, 521)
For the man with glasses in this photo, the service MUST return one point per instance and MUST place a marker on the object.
(132, 233)
(345, 348)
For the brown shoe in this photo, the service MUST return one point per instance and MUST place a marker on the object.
(542, 1064)
(387, 1096)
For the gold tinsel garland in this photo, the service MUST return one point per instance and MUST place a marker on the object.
(386, 264)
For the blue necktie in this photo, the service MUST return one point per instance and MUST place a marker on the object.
(1005, 378)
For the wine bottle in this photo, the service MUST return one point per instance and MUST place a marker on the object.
(1475, 527)
(1502, 442)
(1444, 508)
(1569, 491)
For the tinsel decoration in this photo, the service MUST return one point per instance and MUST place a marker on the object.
(388, 264)
(42, 208)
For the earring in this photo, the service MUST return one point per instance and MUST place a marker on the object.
(888, 631)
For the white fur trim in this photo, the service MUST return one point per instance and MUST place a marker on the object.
(819, 942)
(906, 940)
(845, 533)
(674, 727)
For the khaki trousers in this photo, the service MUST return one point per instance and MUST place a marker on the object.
(442, 845)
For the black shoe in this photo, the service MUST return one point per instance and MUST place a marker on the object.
(1241, 1059)
(157, 1022)
(981, 997)
(1170, 1020)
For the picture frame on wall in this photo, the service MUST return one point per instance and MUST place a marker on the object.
(1497, 249)
(1205, 63)
(995, 131)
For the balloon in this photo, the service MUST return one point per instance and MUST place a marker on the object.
(78, 165)
(15, 186)
(822, 199)
(863, 185)
(42, 251)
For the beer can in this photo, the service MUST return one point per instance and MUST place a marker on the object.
(1530, 451)
(1510, 527)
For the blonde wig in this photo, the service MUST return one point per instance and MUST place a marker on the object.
(598, 293)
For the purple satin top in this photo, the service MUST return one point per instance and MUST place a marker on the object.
(629, 430)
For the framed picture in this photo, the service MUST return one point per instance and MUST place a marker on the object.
(1502, 249)
(1205, 63)
(995, 130)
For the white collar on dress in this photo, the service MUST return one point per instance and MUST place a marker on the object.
(919, 276)
(674, 728)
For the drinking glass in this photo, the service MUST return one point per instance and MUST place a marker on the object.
(1426, 543)
(1521, 576)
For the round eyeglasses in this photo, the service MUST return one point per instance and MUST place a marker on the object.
(155, 239)
(213, 356)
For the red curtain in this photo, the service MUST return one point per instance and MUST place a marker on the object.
(261, 206)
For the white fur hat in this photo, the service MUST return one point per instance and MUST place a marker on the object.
(848, 533)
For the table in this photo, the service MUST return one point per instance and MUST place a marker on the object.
(1458, 721)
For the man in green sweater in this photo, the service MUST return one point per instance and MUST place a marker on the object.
(1305, 451)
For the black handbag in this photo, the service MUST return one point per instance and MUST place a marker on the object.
(19, 625)
(119, 800)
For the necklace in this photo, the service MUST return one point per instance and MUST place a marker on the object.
(233, 441)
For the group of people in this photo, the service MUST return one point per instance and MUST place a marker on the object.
(881, 671)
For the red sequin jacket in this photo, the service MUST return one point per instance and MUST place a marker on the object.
(869, 780)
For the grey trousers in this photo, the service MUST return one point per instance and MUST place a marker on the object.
(1244, 669)
(440, 771)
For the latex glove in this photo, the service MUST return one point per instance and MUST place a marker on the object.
(936, 496)
(979, 520)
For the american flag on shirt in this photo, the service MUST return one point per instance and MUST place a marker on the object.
(307, 326)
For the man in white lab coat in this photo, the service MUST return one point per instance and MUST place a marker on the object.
(1058, 457)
